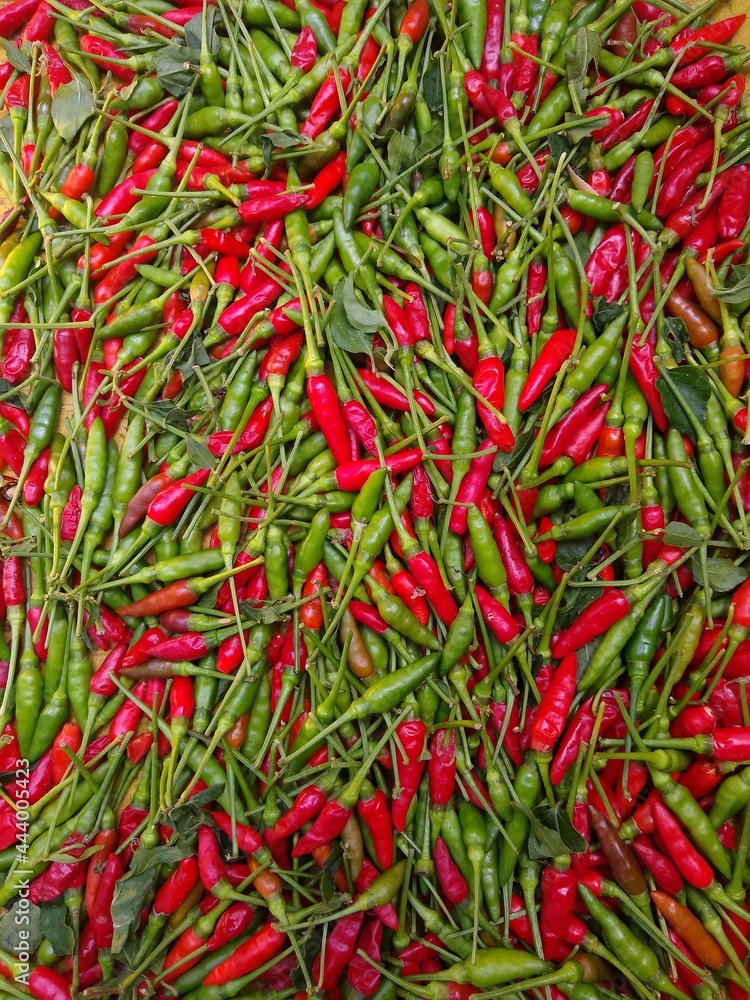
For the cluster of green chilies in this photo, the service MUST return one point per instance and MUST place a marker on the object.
(376, 616)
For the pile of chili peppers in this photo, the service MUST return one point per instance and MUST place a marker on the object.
(374, 519)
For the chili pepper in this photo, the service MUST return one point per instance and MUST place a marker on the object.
(361, 975)
(553, 710)
(691, 865)
(690, 929)
(260, 948)
(554, 353)
(452, 883)
(558, 898)
(661, 868)
(412, 736)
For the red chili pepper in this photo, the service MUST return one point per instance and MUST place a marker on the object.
(15, 14)
(414, 22)
(614, 116)
(632, 124)
(102, 53)
(452, 883)
(20, 345)
(372, 807)
(559, 889)
(472, 486)
(258, 950)
(327, 410)
(536, 284)
(236, 317)
(331, 963)
(177, 887)
(327, 180)
(362, 975)
(61, 875)
(496, 617)
(167, 505)
(45, 983)
(593, 621)
(730, 91)
(552, 712)
(665, 873)
(551, 358)
(690, 863)
(101, 917)
(441, 767)
(360, 422)
(489, 382)
(710, 69)
(412, 737)
(306, 806)
(326, 102)
(253, 434)
(563, 435)
(305, 52)
(579, 730)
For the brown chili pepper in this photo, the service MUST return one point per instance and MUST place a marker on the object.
(702, 331)
(625, 866)
(353, 846)
(359, 659)
(702, 288)
(690, 929)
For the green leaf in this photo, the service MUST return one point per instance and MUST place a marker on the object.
(198, 453)
(552, 834)
(344, 334)
(432, 90)
(575, 599)
(677, 335)
(193, 31)
(569, 551)
(401, 151)
(359, 315)
(559, 147)
(681, 536)
(21, 916)
(523, 442)
(267, 614)
(198, 357)
(430, 142)
(286, 138)
(585, 655)
(581, 241)
(723, 575)
(166, 854)
(207, 795)
(173, 69)
(55, 928)
(311, 946)
(132, 893)
(166, 415)
(266, 148)
(72, 106)
(604, 315)
(67, 858)
(16, 57)
(582, 130)
(185, 820)
(693, 387)
(6, 131)
(585, 50)
(737, 289)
